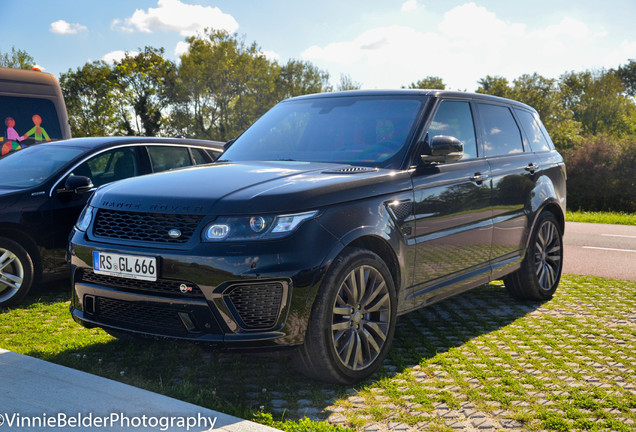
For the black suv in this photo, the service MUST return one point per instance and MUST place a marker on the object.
(324, 221)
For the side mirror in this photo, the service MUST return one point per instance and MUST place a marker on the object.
(78, 184)
(228, 144)
(444, 149)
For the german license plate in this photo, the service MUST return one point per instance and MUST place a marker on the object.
(126, 266)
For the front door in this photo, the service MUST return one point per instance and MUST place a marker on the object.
(452, 212)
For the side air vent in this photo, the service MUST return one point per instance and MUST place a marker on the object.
(400, 209)
(351, 170)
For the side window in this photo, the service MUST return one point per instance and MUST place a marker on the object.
(502, 135)
(530, 125)
(110, 166)
(165, 158)
(202, 156)
(454, 118)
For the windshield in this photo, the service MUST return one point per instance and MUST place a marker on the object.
(362, 130)
(34, 165)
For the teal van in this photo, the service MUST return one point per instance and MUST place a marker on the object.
(32, 110)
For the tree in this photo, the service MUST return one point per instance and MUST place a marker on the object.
(17, 59)
(429, 82)
(347, 83)
(494, 85)
(627, 74)
(598, 101)
(143, 82)
(89, 93)
(299, 78)
(222, 86)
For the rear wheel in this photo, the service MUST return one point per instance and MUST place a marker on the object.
(16, 272)
(540, 271)
(352, 320)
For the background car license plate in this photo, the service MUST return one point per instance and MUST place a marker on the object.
(127, 266)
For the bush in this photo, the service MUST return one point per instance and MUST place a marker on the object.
(602, 174)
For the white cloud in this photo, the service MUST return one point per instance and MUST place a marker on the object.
(181, 48)
(409, 5)
(114, 56)
(271, 55)
(174, 15)
(468, 43)
(63, 27)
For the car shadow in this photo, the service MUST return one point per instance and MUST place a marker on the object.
(245, 384)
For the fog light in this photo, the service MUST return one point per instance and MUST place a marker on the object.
(217, 232)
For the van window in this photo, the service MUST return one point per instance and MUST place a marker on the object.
(26, 121)
(502, 135)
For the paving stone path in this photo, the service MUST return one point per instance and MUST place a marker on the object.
(485, 362)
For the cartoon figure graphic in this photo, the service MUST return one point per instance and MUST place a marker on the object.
(13, 138)
(38, 130)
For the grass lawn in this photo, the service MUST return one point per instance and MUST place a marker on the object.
(478, 360)
(616, 218)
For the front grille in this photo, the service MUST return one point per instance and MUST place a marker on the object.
(149, 227)
(161, 287)
(139, 316)
(258, 305)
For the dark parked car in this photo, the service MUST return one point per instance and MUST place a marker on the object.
(324, 221)
(43, 190)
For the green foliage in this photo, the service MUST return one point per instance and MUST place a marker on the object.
(297, 78)
(614, 218)
(598, 102)
(627, 74)
(90, 95)
(429, 82)
(602, 174)
(143, 82)
(347, 83)
(302, 425)
(494, 85)
(17, 59)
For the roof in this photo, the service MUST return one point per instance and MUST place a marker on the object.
(415, 92)
(92, 142)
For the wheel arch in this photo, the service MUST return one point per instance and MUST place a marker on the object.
(28, 243)
(383, 249)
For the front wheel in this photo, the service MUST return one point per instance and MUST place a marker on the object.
(540, 271)
(16, 272)
(352, 321)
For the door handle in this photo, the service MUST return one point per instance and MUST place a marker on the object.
(479, 177)
(532, 167)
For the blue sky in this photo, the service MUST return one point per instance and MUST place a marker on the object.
(378, 43)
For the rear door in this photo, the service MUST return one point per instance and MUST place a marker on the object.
(512, 167)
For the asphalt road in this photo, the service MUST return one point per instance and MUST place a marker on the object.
(600, 250)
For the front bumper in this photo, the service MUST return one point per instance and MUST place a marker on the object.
(247, 295)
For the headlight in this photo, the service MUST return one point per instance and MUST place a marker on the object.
(267, 227)
(84, 219)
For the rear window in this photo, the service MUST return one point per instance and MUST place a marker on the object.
(27, 121)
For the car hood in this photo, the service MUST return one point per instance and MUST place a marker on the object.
(233, 188)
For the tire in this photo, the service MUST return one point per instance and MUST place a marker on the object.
(16, 272)
(350, 331)
(540, 272)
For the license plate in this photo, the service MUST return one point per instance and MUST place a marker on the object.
(126, 266)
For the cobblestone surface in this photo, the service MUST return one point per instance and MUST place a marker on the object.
(485, 362)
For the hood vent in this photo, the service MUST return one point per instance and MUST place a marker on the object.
(350, 170)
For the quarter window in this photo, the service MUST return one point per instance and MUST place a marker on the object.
(531, 125)
(454, 118)
(502, 135)
(164, 158)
